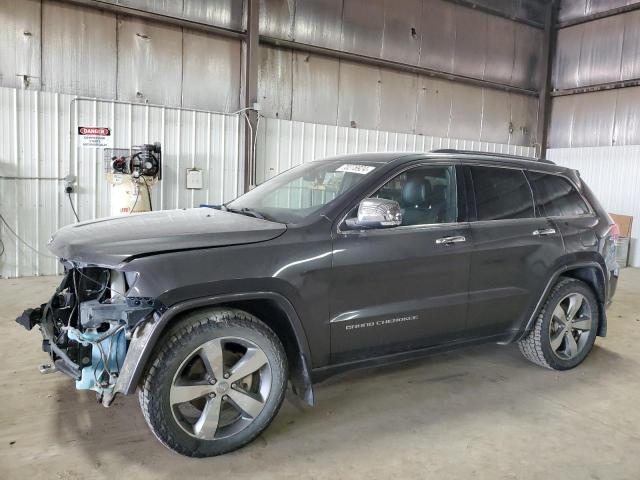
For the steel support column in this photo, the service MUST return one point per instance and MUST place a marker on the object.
(251, 65)
(544, 100)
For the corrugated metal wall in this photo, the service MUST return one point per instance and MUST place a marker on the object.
(610, 117)
(283, 144)
(65, 48)
(435, 34)
(576, 9)
(601, 51)
(312, 88)
(592, 53)
(38, 143)
(613, 173)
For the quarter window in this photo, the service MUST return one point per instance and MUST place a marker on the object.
(556, 196)
(502, 193)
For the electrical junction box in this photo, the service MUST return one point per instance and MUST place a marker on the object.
(194, 178)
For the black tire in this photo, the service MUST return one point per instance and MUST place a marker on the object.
(191, 332)
(536, 346)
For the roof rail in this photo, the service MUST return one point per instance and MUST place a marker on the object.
(452, 151)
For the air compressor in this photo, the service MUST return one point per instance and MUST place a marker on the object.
(132, 173)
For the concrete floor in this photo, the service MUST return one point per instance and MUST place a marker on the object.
(482, 412)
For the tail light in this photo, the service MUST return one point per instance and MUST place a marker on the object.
(615, 232)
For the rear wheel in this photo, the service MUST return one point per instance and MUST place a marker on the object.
(566, 328)
(215, 383)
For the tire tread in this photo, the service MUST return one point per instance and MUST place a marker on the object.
(179, 334)
(531, 344)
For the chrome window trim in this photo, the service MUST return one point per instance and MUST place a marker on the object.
(467, 163)
(482, 223)
(524, 170)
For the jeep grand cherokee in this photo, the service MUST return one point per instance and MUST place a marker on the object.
(339, 263)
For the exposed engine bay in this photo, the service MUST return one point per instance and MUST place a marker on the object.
(87, 325)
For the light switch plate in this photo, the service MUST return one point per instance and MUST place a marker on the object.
(194, 178)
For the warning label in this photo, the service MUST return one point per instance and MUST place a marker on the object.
(95, 137)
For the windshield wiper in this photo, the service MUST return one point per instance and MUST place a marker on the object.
(246, 211)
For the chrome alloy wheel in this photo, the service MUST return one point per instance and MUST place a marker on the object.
(220, 388)
(570, 324)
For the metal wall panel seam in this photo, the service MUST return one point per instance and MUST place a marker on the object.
(37, 162)
(17, 167)
(56, 141)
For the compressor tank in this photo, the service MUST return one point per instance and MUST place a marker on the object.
(129, 194)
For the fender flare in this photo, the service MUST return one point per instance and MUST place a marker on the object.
(552, 280)
(146, 336)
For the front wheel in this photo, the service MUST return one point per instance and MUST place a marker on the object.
(566, 328)
(216, 381)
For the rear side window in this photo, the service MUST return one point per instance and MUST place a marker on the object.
(556, 196)
(501, 193)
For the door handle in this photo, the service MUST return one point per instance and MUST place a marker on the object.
(544, 231)
(450, 240)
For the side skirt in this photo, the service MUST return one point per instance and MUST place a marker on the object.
(322, 373)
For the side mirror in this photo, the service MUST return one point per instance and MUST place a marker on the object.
(376, 213)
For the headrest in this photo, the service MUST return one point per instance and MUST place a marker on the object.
(416, 192)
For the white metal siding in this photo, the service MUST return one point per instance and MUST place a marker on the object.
(613, 173)
(38, 141)
(283, 144)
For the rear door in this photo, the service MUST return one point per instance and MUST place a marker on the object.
(515, 247)
(561, 202)
(402, 288)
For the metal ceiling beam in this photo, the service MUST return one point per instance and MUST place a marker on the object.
(496, 12)
(158, 17)
(599, 15)
(634, 82)
(354, 57)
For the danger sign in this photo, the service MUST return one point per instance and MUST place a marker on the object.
(95, 137)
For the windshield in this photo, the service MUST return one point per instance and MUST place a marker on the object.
(295, 194)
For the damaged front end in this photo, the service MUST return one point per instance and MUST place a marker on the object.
(87, 326)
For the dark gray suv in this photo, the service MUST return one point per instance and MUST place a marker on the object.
(335, 264)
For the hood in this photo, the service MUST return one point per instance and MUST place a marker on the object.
(110, 241)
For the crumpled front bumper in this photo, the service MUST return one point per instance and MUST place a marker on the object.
(88, 337)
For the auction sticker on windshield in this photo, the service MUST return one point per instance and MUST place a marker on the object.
(354, 168)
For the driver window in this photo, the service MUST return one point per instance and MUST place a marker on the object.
(426, 195)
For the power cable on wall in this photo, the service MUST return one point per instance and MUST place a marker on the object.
(73, 208)
(12, 231)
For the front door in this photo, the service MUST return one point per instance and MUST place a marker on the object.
(402, 288)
